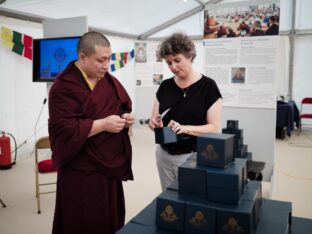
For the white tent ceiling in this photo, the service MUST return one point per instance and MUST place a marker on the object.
(135, 18)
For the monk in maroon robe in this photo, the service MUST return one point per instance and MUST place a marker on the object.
(88, 128)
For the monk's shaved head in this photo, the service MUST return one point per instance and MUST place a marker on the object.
(89, 40)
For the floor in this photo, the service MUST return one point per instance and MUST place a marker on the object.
(292, 174)
(292, 182)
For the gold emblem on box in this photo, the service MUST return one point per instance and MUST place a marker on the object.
(232, 227)
(209, 153)
(168, 214)
(199, 220)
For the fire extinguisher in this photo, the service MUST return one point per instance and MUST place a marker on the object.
(5, 152)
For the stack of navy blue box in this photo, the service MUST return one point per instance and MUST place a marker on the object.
(213, 195)
(240, 149)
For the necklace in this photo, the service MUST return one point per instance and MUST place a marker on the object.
(184, 91)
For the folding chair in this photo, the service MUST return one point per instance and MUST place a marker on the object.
(304, 114)
(42, 166)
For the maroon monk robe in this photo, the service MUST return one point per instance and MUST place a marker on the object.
(90, 170)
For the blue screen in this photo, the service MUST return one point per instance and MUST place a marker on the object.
(55, 55)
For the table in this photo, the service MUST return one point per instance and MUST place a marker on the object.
(286, 115)
(144, 222)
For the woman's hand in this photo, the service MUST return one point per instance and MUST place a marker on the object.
(177, 127)
(155, 122)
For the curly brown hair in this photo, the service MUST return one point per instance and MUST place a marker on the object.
(177, 43)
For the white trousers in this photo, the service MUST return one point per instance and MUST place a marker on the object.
(167, 165)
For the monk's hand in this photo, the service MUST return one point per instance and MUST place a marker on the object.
(114, 123)
(155, 122)
(129, 118)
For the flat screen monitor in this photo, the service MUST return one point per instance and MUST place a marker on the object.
(51, 56)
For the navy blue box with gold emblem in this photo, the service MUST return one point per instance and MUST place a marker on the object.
(227, 131)
(253, 192)
(170, 211)
(237, 132)
(215, 150)
(199, 218)
(165, 135)
(230, 218)
(213, 184)
(232, 124)
(227, 185)
(275, 217)
(241, 151)
(238, 143)
(192, 179)
(236, 219)
(223, 196)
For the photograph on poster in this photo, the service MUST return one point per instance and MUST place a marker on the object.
(140, 52)
(242, 21)
(157, 79)
(238, 75)
(138, 82)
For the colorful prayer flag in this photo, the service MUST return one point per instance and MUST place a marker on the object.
(113, 57)
(18, 48)
(17, 38)
(28, 40)
(125, 57)
(112, 66)
(120, 59)
(117, 56)
(6, 34)
(28, 53)
(132, 54)
(17, 42)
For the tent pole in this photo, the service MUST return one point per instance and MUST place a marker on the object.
(171, 22)
(292, 49)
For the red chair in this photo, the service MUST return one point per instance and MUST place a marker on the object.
(43, 166)
(303, 114)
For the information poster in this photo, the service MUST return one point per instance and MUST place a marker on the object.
(148, 70)
(240, 43)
